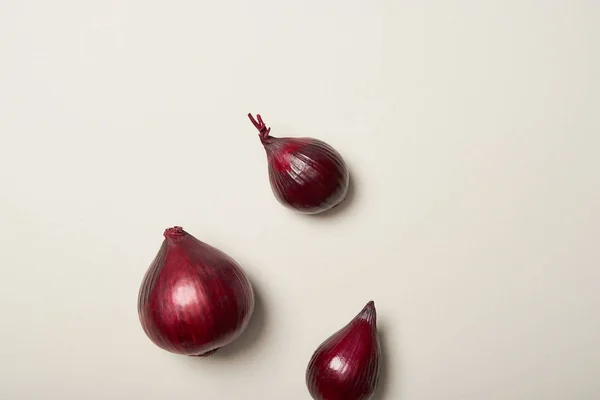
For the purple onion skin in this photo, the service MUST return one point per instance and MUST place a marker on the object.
(346, 366)
(306, 174)
(194, 299)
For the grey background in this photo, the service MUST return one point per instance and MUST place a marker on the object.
(472, 132)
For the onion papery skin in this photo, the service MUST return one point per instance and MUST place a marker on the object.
(194, 299)
(346, 366)
(306, 174)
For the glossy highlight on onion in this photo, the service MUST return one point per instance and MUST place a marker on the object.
(346, 366)
(194, 299)
(306, 174)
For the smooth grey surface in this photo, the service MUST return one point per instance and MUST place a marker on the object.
(472, 131)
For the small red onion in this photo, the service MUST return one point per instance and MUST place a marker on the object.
(194, 299)
(306, 174)
(346, 366)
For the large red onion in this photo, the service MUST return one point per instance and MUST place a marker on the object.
(306, 174)
(346, 366)
(194, 299)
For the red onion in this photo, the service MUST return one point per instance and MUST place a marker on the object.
(306, 174)
(194, 299)
(346, 366)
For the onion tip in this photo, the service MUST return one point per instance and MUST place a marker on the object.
(369, 313)
(259, 124)
(174, 232)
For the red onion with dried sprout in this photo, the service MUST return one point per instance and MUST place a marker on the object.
(306, 174)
